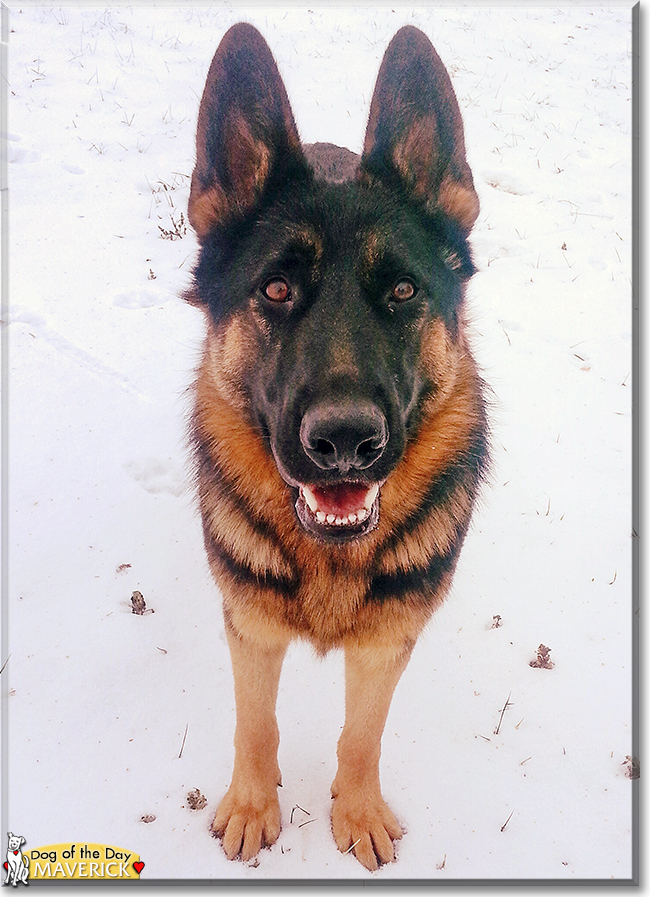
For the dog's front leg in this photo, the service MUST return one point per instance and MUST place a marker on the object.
(248, 817)
(360, 816)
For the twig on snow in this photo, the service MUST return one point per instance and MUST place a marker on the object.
(505, 707)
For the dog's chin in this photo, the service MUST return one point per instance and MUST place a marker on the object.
(338, 513)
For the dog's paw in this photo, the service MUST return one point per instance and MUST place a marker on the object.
(364, 824)
(246, 823)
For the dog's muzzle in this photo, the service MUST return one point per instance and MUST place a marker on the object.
(343, 441)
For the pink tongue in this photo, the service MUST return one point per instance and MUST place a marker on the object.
(343, 499)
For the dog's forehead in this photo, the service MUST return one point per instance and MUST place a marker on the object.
(346, 220)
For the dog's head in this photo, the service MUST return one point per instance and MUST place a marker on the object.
(336, 304)
(15, 841)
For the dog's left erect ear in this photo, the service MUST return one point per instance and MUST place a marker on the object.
(245, 131)
(415, 130)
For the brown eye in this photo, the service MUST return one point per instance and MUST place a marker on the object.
(277, 290)
(403, 291)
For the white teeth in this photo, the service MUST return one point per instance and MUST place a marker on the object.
(310, 499)
(355, 517)
(373, 492)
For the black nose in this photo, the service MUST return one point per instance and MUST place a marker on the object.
(344, 436)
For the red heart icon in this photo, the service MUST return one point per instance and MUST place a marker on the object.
(139, 866)
(6, 865)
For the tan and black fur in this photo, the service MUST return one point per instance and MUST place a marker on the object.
(339, 424)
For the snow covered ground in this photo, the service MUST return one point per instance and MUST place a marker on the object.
(101, 702)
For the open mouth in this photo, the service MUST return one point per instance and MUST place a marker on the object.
(339, 512)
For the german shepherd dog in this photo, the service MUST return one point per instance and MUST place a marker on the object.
(339, 424)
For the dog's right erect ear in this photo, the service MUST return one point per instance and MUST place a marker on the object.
(245, 131)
